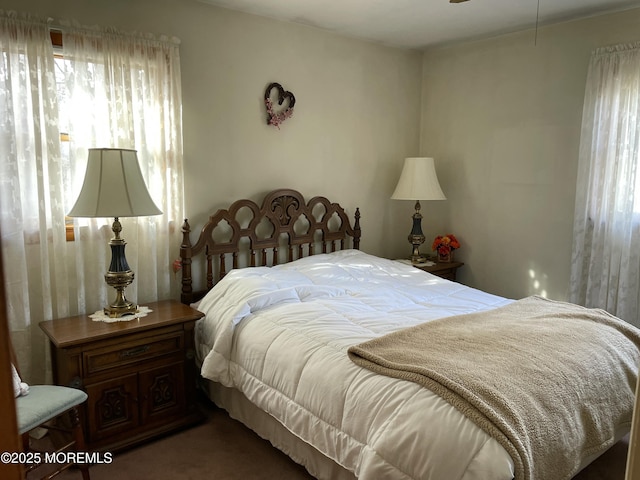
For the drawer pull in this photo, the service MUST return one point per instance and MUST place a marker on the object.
(134, 351)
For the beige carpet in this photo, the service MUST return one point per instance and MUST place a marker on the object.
(223, 449)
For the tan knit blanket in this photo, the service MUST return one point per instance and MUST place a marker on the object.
(552, 382)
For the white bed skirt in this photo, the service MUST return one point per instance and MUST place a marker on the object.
(268, 428)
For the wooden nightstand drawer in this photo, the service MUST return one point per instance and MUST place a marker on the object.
(449, 274)
(127, 353)
(446, 270)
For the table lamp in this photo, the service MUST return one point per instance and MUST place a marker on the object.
(418, 181)
(113, 187)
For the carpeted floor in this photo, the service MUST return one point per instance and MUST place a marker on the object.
(223, 449)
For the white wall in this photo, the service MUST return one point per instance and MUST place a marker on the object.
(356, 117)
(502, 117)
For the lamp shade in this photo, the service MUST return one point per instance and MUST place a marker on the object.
(113, 186)
(418, 181)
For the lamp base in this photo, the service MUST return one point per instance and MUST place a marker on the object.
(119, 276)
(120, 306)
(416, 237)
(117, 311)
(418, 259)
(416, 256)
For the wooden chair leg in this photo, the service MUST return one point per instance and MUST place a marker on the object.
(78, 437)
(25, 442)
(25, 448)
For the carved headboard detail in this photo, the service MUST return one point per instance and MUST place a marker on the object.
(293, 226)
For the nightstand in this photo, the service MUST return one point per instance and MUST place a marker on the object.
(140, 374)
(444, 270)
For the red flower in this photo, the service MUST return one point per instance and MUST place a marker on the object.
(177, 265)
(445, 244)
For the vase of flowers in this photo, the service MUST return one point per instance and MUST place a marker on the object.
(444, 245)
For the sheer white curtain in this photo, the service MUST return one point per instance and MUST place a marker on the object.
(124, 91)
(605, 270)
(113, 90)
(32, 191)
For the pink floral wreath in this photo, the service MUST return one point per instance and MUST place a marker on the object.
(276, 118)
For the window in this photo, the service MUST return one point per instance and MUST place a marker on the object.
(62, 94)
(605, 270)
(44, 137)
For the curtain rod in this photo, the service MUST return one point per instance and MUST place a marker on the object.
(65, 25)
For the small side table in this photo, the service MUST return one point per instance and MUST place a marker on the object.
(444, 270)
(140, 375)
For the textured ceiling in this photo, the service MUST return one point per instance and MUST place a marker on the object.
(423, 23)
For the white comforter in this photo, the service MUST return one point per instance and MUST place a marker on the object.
(280, 335)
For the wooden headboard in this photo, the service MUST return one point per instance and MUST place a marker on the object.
(284, 226)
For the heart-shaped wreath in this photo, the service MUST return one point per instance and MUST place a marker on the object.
(276, 118)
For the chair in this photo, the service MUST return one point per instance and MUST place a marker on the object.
(41, 407)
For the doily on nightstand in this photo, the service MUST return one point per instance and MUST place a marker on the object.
(407, 261)
(100, 316)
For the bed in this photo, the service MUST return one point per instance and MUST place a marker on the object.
(298, 349)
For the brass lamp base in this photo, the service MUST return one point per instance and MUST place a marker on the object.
(119, 276)
(416, 237)
(113, 311)
(121, 306)
(416, 256)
